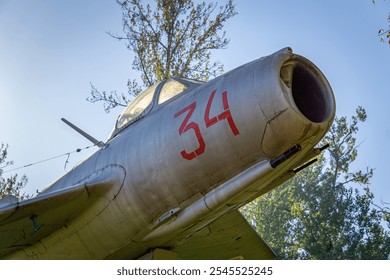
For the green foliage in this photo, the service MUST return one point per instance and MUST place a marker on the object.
(384, 34)
(325, 211)
(174, 38)
(14, 184)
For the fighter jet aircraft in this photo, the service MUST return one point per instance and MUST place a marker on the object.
(180, 161)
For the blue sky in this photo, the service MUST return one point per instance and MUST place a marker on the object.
(50, 51)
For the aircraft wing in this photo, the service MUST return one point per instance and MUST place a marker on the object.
(228, 237)
(26, 222)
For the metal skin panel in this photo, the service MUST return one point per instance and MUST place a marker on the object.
(194, 158)
(224, 239)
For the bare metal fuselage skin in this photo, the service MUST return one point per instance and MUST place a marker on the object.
(194, 158)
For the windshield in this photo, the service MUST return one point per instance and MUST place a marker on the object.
(136, 107)
(170, 89)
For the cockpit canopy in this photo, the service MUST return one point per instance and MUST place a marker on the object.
(136, 107)
(157, 94)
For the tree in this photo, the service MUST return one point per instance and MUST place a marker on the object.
(176, 38)
(14, 184)
(325, 211)
(382, 33)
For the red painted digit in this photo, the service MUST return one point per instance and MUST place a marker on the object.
(226, 114)
(195, 127)
(209, 122)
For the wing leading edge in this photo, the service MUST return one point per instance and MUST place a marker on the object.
(26, 222)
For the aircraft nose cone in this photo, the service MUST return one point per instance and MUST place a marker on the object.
(304, 105)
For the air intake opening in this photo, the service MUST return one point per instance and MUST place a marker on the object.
(308, 90)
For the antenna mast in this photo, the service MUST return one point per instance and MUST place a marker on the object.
(96, 142)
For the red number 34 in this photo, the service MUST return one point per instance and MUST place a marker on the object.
(209, 121)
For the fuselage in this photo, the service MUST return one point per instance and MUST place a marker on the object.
(188, 146)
